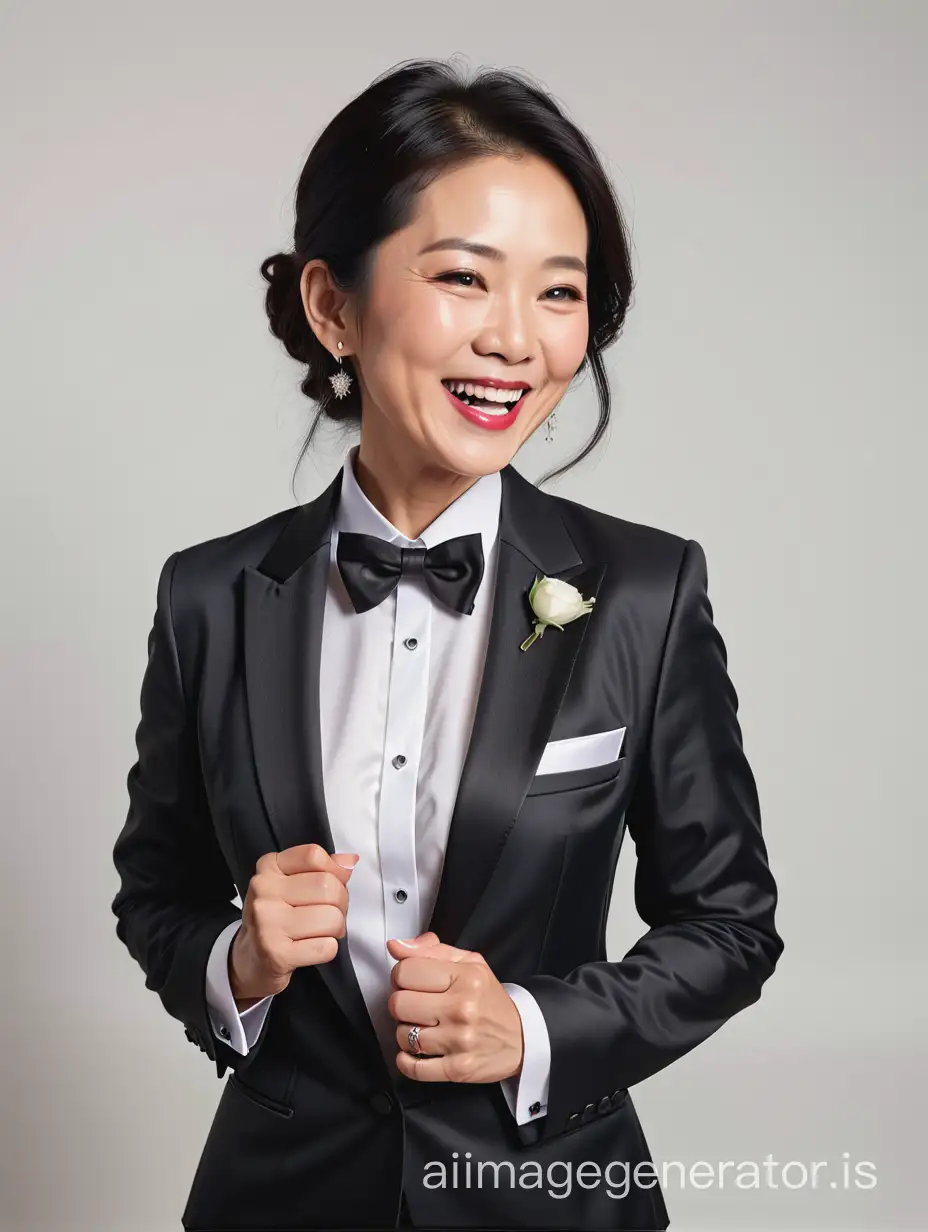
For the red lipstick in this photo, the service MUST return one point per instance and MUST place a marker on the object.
(486, 419)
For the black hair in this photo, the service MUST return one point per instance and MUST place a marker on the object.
(359, 183)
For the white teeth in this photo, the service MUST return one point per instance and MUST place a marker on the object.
(488, 393)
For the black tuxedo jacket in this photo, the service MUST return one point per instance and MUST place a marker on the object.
(311, 1130)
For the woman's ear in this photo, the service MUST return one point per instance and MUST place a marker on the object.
(326, 307)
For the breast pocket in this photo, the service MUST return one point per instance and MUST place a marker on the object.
(579, 761)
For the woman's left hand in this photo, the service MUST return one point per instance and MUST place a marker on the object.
(471, 1028)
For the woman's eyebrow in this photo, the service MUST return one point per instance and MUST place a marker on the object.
(494, 254)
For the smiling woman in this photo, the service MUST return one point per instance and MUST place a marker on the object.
(440, 695)
(451, 231)
(516, 316)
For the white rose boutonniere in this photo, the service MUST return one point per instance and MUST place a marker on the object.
(554, 602)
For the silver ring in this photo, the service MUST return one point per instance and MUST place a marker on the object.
(413, 1036)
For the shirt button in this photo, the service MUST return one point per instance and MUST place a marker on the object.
(400, 895)
(399, 760)
(411, 643)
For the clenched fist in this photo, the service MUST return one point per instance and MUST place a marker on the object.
(293, 915)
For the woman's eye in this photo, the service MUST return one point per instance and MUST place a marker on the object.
(572, 292)
(456, 274)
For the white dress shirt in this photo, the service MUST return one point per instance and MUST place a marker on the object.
(400, 678)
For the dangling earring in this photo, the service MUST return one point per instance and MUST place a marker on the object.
(341, 381)
(550, 426)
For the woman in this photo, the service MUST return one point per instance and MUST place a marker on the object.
(409, 721)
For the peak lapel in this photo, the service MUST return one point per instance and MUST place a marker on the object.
(520, 695)
(284, 608)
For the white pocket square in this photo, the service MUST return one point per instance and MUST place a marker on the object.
(581, 752)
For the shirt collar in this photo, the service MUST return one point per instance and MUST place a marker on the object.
(476, 510)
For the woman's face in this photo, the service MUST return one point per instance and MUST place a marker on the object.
(439, 312)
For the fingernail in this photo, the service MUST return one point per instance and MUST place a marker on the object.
(408, 941)
(352, 861)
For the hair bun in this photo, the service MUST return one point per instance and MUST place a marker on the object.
(284, 304)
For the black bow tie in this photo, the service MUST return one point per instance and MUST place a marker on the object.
(371, 567)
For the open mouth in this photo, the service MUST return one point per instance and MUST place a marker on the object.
(489, 400)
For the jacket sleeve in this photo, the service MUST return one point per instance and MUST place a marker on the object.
(176, 891)
(702, 885)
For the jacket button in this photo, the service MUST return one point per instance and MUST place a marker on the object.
(588, 1113)
(617, 1097)
(605, 1104)
(573, 1119)
(381, 1103)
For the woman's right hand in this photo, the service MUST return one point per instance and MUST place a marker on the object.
(293, 915)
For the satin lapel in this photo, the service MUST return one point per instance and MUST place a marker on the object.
(284, 609)
(520, 694)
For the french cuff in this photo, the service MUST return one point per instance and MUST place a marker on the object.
(527, 1092)
(238, 1030)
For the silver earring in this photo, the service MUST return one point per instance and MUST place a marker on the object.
(341, 381)
(550, 426)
